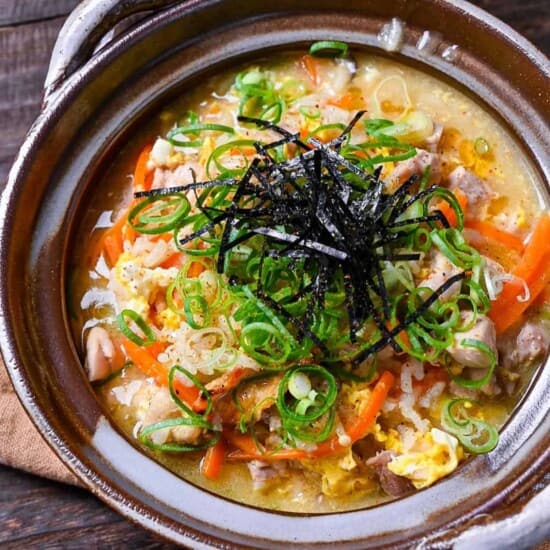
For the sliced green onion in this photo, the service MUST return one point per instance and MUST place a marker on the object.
(329, 48)
(477, 436)
(304, 402)
(183, 406)
(221, 150)
(292, 90)
(299, 385)
(159, 214)
(115, 374)
(323, 403)
(484, 348)
(195, 129)
(450, 198)
(141, 324)
(145, 436)
(310, 112)
(311, 433)
(196, 305)
(481, 146)
(273, 112)
(265, 343)
(375, 126)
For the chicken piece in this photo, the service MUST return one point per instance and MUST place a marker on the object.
(491, 388)
(163, 407)
(181, 175)
(264, 474)
(477, 190)
(432, 142)
(100, 353)
(532, 342)
(227, 381)
(482, 330)
(417, 165)
(441, 269)
(257, 396)
(392, 484)
(457, 390)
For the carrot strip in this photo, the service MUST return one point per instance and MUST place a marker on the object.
(349, 101)
(113, 247)
(449, 212)
(247, 449)
(145, 361)
(212, 463)
(175, 260)
(195, 269)
(356, 430)
(143, 176)
(111, 241)
(190, 395)
(489, 231)
(310, 64)
(534, 269)
(363, 423)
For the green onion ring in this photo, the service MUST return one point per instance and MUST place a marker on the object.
(190, 312)
(150, 337)
(146, 218)
(328, 398)
(329, 48)
(175, 447)
(469, 429)
(483, 347)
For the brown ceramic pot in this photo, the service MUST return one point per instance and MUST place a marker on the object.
(91, 104)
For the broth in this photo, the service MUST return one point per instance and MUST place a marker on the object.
(316, 92)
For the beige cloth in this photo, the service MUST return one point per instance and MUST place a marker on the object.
(21, 446)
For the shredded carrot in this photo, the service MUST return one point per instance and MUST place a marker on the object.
(110, 243)
(357, 429)
(350, 101)
(146, 362)
(247, 449)
(310, 64)
(144, 358)
(113, 247)
(213, 460)
(175, 260)
(143, 176)
(489, 231)
(449, 212)
(190, 395)
(534, 269)
(195, 269)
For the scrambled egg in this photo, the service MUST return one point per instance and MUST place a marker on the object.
(169, 319)
(390, 439)
(340, 475)
(434, 455)
(136, 286)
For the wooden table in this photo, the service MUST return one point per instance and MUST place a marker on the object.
(34, 512)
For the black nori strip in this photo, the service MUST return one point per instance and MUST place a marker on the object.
(308, 211)
(383, 342)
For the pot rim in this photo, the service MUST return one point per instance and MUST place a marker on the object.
(67, 92)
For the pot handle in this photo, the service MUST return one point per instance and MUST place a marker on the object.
(83, 30)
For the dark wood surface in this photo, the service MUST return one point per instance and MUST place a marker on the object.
(34, 512)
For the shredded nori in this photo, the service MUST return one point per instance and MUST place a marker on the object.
(320, 208)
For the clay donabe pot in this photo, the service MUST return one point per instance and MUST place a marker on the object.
(92, 102)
